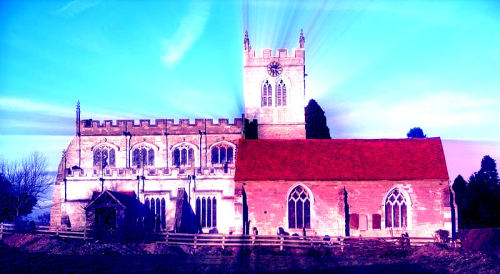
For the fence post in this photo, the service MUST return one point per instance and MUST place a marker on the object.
(223, 240)
(57, 231)
(195, 240)
(253, 239)
(281, 243)
(166, 238)
(1, 231)
(342, 245)
(85, 233)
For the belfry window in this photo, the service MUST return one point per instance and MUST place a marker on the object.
(206, 211)
(143, 156)
(299, 208)
(183, 156)
(396, 210)
(267, 95)
(281, 94)
(222, 154)
(104, 156)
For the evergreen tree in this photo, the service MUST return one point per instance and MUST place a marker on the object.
(489, 171)
(416, 132)
(251, 129)
(480, 205)
(316, 127)
(460, 189)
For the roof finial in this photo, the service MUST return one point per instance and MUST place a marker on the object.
(302, 40)
(246, 41)
(77, 121)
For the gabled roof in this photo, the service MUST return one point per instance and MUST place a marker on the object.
(124, 199)
(341, 159)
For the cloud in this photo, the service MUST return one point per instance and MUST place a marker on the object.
(8, 104)
(190, 29)
(76, 7)
(22, 116)
(438, 111)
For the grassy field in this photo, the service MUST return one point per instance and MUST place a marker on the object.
(29, 253)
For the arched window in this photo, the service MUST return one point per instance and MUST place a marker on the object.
(267, 95)
(153, 213)
(206, 211)
(281, 94)
(183, 155)
(158, 215)
(143, 156)
(396, 213)
(163, 213)
(177, 157)
(215, 155)
(104, 156)
(147, 221)
(299, 208)
(222, 154)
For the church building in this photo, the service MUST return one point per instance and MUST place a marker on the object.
(254, 173)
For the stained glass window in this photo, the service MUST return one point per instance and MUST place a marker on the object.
(396, 210)
(299, 208)
(143, 155)
(104, 156)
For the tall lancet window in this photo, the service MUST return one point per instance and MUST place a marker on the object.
(267, 95)
(281, 94)
(396, 210)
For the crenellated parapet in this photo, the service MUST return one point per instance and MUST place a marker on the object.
(159, 127)
(149, 173)
(296, 57)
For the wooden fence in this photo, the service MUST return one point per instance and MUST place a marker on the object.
(74, 233)
(226, 240)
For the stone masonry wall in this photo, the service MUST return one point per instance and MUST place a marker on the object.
(267, 203)
(162, 179)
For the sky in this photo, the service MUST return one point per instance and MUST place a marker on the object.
(377, 68)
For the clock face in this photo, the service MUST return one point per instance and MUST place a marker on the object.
(274, 69)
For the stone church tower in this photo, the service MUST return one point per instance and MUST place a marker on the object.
(274, 90)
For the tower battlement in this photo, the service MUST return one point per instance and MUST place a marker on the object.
(91, 127)
(281, 53)
(274, 90)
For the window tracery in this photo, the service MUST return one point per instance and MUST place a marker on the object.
(281, 94)
(183, 155)
(396, 209)
(104, 155)
(267, 95)
(143, 155)
(299, 208)
(222, 153)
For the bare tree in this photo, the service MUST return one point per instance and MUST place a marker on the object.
(25, 183)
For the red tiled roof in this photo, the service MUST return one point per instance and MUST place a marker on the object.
(341, 159)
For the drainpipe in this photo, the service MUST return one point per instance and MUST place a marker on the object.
(166, 147)
(64, 179)
(201, 136)
(128, 136)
